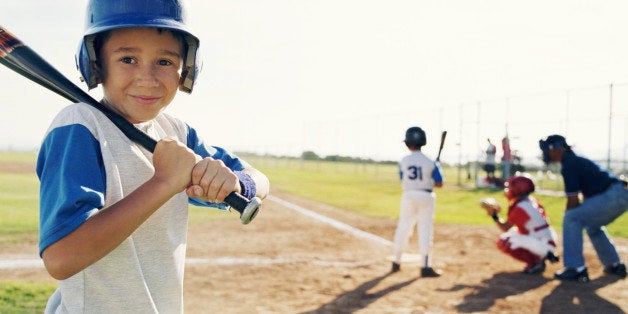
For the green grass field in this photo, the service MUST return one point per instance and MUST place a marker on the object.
(374, 190)
(18, 199)
(368, 189)
(24, 297)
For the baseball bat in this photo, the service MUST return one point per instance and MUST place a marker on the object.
(442, 143)
(20, 58)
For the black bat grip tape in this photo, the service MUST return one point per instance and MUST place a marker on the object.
(237, 201)
(247, 208)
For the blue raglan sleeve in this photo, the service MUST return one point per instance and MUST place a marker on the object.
(233, 162)
(72, 182)
(437, 174)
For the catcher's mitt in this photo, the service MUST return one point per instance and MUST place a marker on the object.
(490, 205)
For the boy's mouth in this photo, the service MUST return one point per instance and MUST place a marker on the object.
(146, 100)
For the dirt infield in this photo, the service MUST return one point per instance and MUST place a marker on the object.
(286, 262)
(305, 266)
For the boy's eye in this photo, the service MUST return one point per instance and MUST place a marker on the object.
(164, 62)
(127, 60)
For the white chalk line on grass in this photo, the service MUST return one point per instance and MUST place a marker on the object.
(334, 223)
(271, 261)
(22, 263)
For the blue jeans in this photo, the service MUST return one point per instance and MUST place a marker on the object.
(505, 170)
(592, 215)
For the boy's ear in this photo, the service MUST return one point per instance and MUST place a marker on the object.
(97, 73)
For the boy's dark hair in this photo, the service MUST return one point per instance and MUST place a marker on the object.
(101, 38)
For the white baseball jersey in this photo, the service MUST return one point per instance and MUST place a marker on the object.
(85, 164)
(530, 219)
(491, 150)
(418, 172)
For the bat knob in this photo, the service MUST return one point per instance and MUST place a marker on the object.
(247, 208)
(251, 210)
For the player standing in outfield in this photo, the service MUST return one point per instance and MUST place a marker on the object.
(605, 198)
(506, 158)
(113, 226)
(528, 236)
(489, 164)
(419, 175)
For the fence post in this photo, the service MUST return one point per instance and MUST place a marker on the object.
(610, 125)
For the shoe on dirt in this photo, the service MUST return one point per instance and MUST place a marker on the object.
(552, 258)
(618, 269)
(430, 272)
(535, 269)
(571, 274)
(395, 267)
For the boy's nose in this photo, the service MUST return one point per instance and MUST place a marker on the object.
(146, 76)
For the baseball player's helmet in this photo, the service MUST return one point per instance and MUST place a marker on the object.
(552, 141)
(518, 186)
(105, 15)
(415, 136)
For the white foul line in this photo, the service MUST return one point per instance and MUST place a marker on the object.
(21, 263)
(32, 263)
(334, 223)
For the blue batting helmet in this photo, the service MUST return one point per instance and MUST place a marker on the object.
(415, 136)
(105, 15)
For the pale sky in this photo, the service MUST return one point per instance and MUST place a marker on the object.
(348, 77)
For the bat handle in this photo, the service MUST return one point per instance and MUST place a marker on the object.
(247, 208)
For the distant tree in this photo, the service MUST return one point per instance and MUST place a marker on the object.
(333, 158)
(309, 155)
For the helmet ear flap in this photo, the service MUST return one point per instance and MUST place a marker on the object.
(192, 65)
(84, 63)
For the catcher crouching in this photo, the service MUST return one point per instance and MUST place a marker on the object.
(528, 235)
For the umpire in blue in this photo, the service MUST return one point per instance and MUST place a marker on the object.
(605, 198)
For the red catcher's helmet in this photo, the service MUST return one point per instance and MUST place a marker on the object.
(518, 186)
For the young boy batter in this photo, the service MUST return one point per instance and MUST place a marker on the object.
(419, 175)
(113, 226)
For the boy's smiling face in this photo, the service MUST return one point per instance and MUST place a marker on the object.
(141, 70)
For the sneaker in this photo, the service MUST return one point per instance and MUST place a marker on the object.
(430, 272)
(395, 267)
(618, 269)
(571, 274)
(535, 269)
(552, 258)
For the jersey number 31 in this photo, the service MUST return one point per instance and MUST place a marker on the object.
(415, 172)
